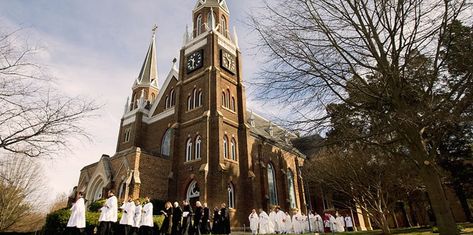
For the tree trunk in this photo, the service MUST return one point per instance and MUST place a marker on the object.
(440, 205)
(463, 201)
(385, 225)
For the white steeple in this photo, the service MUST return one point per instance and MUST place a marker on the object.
(149, 71)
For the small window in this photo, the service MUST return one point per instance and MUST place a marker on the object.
(199, 25)
(223, 26)
(224, 99)
(167, 102)
(189, 103)
(172, 99)
(227, 100)
(233, 104)
(200, 99)
(198, 143)
(194, 98)
(231, 195)
(127, 135)
(225, 146)
(233, 149)
(189, 150)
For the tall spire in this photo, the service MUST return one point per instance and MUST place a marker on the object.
(149, 71)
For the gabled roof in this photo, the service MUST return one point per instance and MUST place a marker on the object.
(149, 71)
(173, 74)
(279, 136)
(212, 3)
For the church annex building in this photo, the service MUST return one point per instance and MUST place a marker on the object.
(193, 138)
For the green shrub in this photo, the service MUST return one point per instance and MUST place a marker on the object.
(435, 229)
(158, 220)
(95, 206)
(56, 222)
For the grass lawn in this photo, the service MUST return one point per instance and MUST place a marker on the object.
(468, 229)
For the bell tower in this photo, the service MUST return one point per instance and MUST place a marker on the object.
(211, 112)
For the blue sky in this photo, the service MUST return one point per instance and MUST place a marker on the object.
(96, 48)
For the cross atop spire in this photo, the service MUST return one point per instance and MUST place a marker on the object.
(149, 71)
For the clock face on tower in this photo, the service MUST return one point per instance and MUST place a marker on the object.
(228, 61)
(195, 61)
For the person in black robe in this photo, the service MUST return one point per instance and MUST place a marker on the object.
(216, 228)
(224, 219)
(198, 213)
(167, 222)
(186, 218)
(176, 219)
(205, 226)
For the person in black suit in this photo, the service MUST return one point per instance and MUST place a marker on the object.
(216, 228)
(176, 219)
(198, 214)
(167, 222)
(224, 219)
(205, 226)
(186, 218)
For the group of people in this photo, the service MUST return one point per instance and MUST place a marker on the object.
(281, 222)
(137, 219)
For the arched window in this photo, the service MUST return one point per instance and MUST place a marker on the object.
(233, 104)
(223, 26)
(231, 195)
(225, 146)
(224, 99)
(167, 102)
(98, 190)
(189, 150)
(227, 100)
(210, 20)
(172, 99)
(153, 97)
(193, 190)
(199, 25)
(194, 97)
(273, 193)
(200, 99)
(166, 143)
(121, 191)
(291, 189)
(189, 103)
(198, 143)
(233, 149)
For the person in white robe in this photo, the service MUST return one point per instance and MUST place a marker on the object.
(110, 213)
(332, 223)
(280, 220)
(147, 217)
(319, 223)
(254, 221)
(272, 221)
(128, 214)
(311, 222)
(340, 223)
(137, 218)
(296, 222)
(264, 227)
(288, 224)
(349, 223)
(77, 219)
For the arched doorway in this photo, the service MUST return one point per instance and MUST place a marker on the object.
(193, 193)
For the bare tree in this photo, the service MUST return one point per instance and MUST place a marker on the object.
(373, 182)
(35, 118)
(384, 63)
(22, 187)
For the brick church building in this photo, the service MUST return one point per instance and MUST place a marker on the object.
(193, 138)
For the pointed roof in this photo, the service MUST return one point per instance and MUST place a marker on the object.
(149, 71)
(212, 3)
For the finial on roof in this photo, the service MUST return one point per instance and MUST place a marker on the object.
(127, 105)
(213, 19)
(235, 37)
(174, 64)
